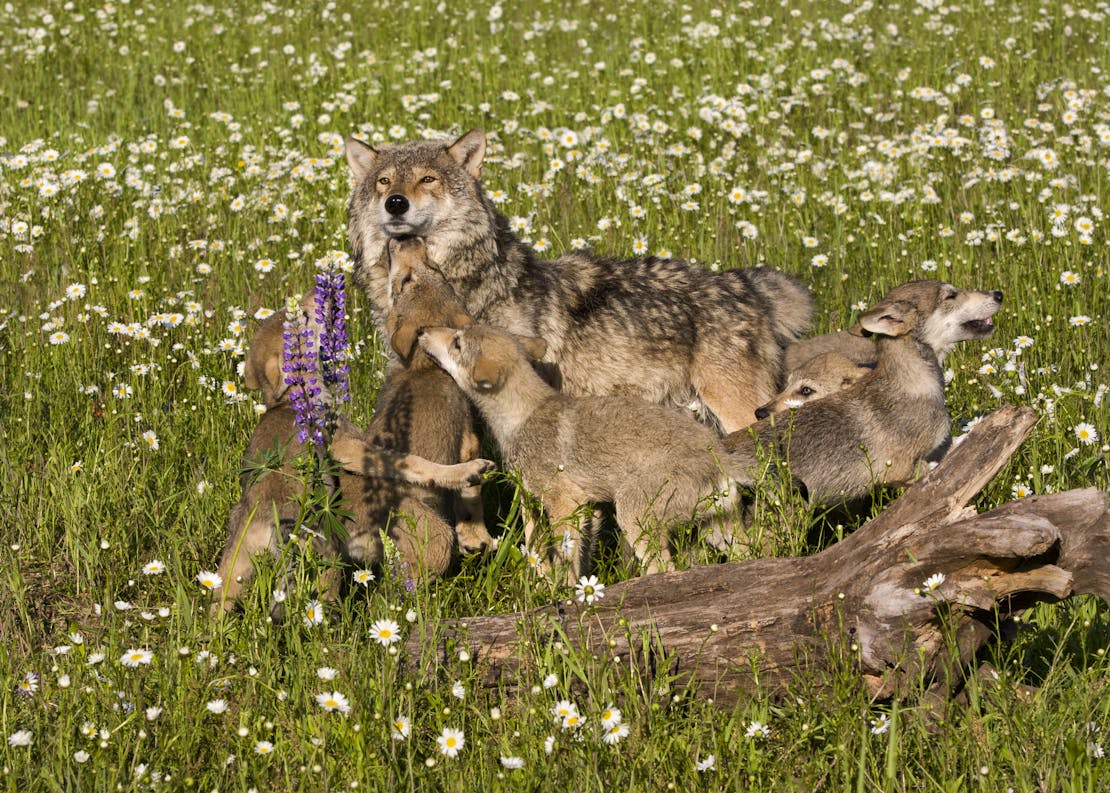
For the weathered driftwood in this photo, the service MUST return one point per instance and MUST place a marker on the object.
(859, 604)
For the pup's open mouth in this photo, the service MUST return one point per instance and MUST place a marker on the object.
(980, 327)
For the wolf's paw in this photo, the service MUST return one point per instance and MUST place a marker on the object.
(481, 468)
(473, 536)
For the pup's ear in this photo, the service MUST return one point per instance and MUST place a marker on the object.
(887, 319)
(262, 369)
(469, 150)
(861, 370)
(403, 339)
(274, 387)
(488, 375)
(250, 377)
(360, 157)
(535, 347)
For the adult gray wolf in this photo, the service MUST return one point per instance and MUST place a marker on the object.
(658, 465)
(658, 329)
(375, 483)
(880, 429)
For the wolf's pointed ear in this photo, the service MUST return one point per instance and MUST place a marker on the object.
(360, 157)
(274, 387)
(267, 378)
(887, 319)
(469, 150)
(535, 347)
(250, 377)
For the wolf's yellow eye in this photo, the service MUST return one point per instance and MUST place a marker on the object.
(384, 181)
(428, 179)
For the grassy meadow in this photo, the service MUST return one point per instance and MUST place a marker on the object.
(170, 173)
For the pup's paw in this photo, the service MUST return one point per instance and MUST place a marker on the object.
(473, 536)
(481, 468)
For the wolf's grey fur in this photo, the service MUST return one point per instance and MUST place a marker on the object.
(881, 428)
(268, 511)
(661, 330)
(656, 464)
(857, 349)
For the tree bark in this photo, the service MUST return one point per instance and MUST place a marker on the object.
(860, 604)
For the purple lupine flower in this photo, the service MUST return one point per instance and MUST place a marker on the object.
(315, 356)
(299, 363)
(331, 316)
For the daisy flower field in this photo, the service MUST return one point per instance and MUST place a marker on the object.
(172, 174)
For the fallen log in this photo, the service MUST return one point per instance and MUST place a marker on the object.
(757, 624)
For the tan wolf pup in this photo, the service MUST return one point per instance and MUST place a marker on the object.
(419, 409)
(657, 465)
(815, 379)
(661, 330)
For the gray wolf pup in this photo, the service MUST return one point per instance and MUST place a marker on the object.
(419, 409)
(656, 464)
(880, 429)
(268, 512)
(657, 329)
(816, 378)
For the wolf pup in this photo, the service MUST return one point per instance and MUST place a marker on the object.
(419, 409)
(817, 378)
(857, 348)
(266, 514)
(881, 428)
(657, 465)
(657, 329)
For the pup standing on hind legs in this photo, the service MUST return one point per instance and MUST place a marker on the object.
(656, 464)
(420, 410)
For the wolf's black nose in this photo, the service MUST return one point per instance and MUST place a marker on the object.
(762, 412)
(396, 204)
(997, 296)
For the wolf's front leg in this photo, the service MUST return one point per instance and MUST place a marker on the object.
(358, 456)
(470, 524)
(564, 514)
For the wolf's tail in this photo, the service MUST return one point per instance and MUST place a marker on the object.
(788, 300)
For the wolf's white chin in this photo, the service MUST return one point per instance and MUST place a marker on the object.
(398, 229)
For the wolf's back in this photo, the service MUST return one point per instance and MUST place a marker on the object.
(787, 298)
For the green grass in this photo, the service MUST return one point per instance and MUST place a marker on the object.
(778, 122)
